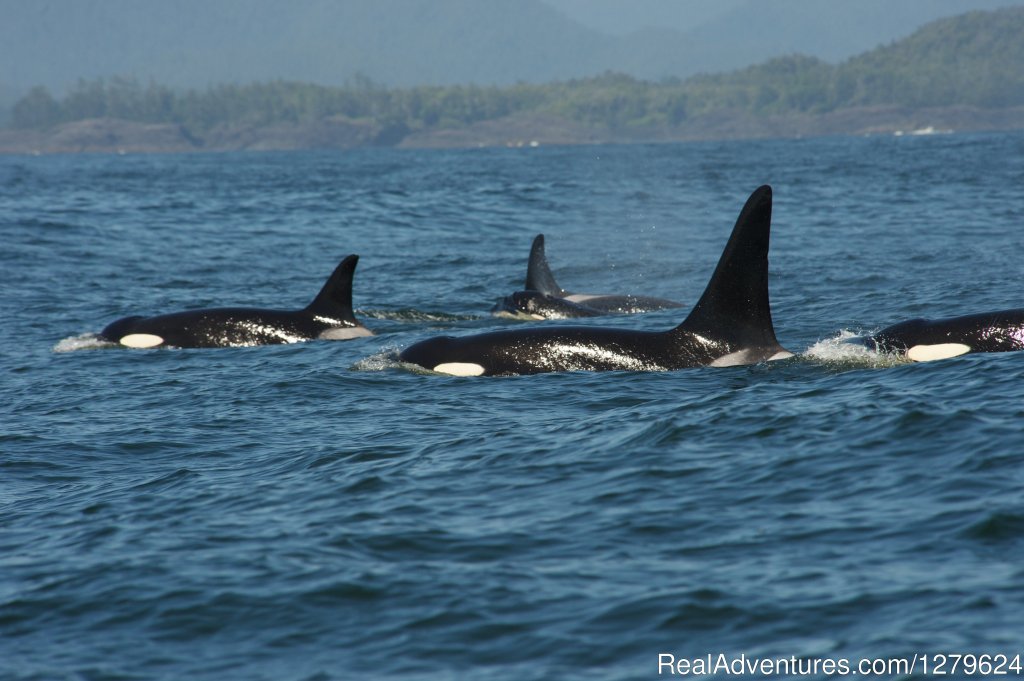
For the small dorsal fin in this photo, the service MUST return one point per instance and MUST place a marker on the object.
(335, 298)
(735, 307)
(538, 274)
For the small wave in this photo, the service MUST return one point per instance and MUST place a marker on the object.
(388, 359)
(410, 315)
(380, 361)
(841, 352)
(995, 528)
(85, 341)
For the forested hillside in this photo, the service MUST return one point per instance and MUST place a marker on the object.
(974, 60)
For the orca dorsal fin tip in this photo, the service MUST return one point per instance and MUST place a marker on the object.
(538, 272)
(335, 298)
(735, 305)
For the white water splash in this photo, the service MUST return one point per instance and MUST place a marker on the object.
(410, 315)
(387, 358)
(840, 351)
(85, 341)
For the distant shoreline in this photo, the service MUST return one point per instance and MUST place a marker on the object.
(106, 135)
(902, 87)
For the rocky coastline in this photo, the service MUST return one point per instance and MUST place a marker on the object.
(106, 135)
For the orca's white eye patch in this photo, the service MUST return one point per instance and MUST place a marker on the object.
(140, 340)
(930, 353)
(459, 369)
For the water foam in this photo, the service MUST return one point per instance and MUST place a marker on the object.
(411, 315)
(85, 341)
(841, 351)
(386, 359)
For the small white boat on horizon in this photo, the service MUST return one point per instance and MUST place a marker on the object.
(927, 130)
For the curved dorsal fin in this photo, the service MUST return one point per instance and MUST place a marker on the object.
(335, 298)
(538, 274)
(734, 307)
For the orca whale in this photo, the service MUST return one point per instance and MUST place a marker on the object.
(924, 340)
(543, 298)
(730, 325)
(328, 317)
(537, 305)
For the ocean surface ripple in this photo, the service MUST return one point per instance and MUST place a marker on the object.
(318, 511)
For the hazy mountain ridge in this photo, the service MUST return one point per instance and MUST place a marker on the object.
(403, 43)
(966, 72)
(196, 43)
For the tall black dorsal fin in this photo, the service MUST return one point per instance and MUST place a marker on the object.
(735, 307)
(335, 298)
(538, 274)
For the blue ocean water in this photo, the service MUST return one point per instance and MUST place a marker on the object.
(315, 511)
